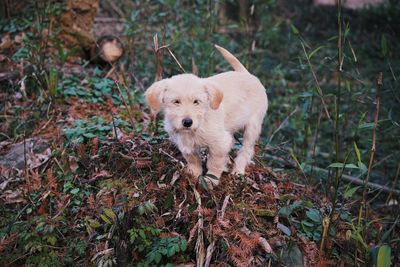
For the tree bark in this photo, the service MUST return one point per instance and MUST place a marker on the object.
(76, 24)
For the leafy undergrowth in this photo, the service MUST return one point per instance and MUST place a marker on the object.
(91, 188)
(129, 201)
(104, 192)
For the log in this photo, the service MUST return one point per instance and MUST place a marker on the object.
(109, 49)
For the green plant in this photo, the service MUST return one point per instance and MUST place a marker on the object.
(85, 130)
(156, 249)
(307, 219)
(95, 90)
(165, 248)
(51, 78)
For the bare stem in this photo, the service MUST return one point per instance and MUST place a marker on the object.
(338, 175)
(126, 105)
(363, 208)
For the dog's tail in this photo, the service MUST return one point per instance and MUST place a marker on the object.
(235, 63)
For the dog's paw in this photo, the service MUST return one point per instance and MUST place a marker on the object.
(194, 170)
(238, 170)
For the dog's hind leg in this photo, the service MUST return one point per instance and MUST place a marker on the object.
(245, 154)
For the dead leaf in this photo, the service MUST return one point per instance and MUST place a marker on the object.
(73, 163)
(13, 196)
(100, 175)
(36, 160)
(3, 58)
(52, 181)
(175, 177)
(19, 38)
(6, 241)
(33, 181)
(5, 42)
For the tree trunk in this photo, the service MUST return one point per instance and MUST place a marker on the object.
(76, 24)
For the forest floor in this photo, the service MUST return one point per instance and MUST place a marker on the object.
(88, 178)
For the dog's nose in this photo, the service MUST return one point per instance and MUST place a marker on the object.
(187, 122)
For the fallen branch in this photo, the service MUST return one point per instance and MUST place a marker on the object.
(348, 178)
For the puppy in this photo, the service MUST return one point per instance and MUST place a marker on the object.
(206, 112)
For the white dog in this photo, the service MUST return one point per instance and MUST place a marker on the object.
(206, 112)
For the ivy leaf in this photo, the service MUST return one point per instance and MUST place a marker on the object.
(141, 210)
(157, 257)
(203, 183)
(313, 214)
(74, 191)
(284, 229)
(183, 245)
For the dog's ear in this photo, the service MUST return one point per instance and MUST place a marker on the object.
(215, 95)
(154, 95)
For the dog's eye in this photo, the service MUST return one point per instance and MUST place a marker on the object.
(196, 102)
(176, 102)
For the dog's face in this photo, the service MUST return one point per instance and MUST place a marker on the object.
(184, 99)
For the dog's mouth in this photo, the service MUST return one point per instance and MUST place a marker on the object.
(186, 130)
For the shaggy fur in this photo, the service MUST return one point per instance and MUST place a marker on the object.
(206, 112)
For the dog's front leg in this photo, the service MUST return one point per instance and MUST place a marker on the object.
(193, 164)
(218, 158)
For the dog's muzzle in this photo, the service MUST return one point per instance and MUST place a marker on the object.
(187, 122)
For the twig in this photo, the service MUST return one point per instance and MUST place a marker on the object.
(47, 123)
(224, 205)
(173, 158)
(394, 183)
(211, 247)
(319, 90)
(363, 207)
(111, 70)
(115, 128)
(325, 225)
(116, 8)
(200, 254)
(109, 20)
(316, 138)
(176, 60)
(25, 161)
(159, 56)
(126, 105)
(281, 125)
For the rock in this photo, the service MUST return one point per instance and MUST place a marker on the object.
(13, 155)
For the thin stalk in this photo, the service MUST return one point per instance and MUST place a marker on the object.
(336, 188)
(318, 87)
(126, 105)
(363, 207)
(315, 140)
(338, 175)
(339, 81)
(394, 183)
